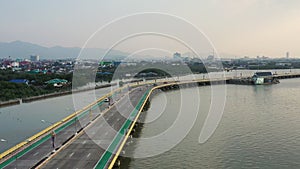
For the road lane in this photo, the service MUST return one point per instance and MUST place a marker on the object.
(40, 152)
(97, 137)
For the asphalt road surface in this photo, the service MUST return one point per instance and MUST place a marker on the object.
(36, 155)
(86, 150)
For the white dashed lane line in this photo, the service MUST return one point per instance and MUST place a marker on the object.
(71, 154)
(88, 155)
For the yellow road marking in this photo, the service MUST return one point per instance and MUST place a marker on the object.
(76, 136)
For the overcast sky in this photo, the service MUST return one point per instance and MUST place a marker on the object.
(238, 27)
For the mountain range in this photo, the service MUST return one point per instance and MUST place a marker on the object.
(23, 50)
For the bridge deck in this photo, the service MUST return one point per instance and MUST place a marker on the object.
(86, 150)
(40, 151)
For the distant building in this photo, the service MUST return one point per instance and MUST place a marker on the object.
(33, 71)
(24, 81)
(57, 82)
(210, 57)
(177, 56)
(15, 64)
(34, 58)
(116, 63)
(283, 64)
(260, 78)
(287, 55)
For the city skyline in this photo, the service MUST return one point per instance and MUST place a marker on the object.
(74, 51)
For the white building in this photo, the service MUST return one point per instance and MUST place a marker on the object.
(15, 64)
(34, 58)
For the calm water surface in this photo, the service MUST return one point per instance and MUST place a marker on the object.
(19, 122)
(260, 128)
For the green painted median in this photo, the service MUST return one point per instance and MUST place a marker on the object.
(119, 137)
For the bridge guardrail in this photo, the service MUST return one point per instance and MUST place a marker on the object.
(140, 108)
(35, 140)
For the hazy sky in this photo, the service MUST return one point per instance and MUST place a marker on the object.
(239, 27)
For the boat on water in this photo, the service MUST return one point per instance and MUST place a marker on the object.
(263, 78)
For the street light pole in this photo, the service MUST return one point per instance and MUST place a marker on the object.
(52, 134)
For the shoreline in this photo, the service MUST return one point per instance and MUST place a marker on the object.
(50, 95)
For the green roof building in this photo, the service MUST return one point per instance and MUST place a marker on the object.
(57, 81)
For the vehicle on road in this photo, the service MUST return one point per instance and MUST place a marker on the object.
(106, 99)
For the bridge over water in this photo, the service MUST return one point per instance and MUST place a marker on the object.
(94, 136)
